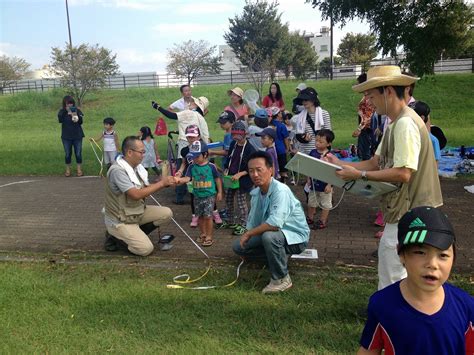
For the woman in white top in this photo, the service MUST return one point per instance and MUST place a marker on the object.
(310, 120)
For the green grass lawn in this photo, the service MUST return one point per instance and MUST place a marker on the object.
(30, 133)
(57, 308)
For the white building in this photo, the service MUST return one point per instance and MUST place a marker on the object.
(321, 42)
(228, 59)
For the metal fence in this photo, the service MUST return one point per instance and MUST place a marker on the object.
(152, 79)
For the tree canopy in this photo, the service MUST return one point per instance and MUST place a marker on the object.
(193, 58)
(89, 68)
(424, 28)
(11, 69)
(357, 49)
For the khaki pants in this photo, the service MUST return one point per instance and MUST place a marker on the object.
(137, 241)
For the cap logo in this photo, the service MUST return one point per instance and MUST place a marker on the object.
(415, 237)
(417, 223)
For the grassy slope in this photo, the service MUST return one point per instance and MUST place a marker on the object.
(30, 134)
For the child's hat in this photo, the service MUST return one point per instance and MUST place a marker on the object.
(226, 116)
(267, 132)
(238, 127)
(192, 131)
(301, 86)
(261, 113)
(425, 225)
(196, 149)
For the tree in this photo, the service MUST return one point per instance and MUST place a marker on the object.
(11, 70)
(296, 55)
(357, 49)
(89, 69)
(259, 25)
(191, 59)
(424, 28)
(325, 65)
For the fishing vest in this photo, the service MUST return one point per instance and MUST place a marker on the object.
(424, 188)
(121, 207)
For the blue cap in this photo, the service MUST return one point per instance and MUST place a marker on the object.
(261, 113)
(196, 149)
(267, 132)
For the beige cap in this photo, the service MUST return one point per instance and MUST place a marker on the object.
(238, 91)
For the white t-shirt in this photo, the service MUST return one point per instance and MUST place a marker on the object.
(407, 144)
(180, 105)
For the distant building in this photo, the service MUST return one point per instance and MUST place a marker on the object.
(44, 73)
(321, 42)
(229, 60)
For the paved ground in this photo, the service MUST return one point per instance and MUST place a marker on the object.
(60, 215)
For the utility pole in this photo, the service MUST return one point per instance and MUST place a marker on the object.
(331, 57)
(73, 71)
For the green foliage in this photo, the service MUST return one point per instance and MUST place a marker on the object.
(83, 68)
(424, 28)
(11, 69)
(193, 58)
(357, 49)
(325, 65)
(259, 25)
(297, 56)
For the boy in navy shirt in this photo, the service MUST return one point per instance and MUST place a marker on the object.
(268, 137)
(421, 314)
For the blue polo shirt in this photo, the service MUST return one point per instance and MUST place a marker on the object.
(282, 134)
(281, 209)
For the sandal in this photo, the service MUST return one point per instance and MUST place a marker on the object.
(67, 174)
(80, 173)
(201, 239)
(207, 242)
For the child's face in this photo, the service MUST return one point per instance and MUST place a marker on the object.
(108, 127)
(239, 138)
(427, 267)
(267, 141)
(321, 143)
(192, 139)
(200, 159)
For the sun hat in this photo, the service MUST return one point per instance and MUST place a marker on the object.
(192, 131)
(384, 75)
(226, 116)
(196, 149)
(267, 132)
(308, 94)
(301, 86)
(425, 225)
(202, 102)
(238, 91)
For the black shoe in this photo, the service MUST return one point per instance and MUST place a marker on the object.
(178, 202)
(114, 244)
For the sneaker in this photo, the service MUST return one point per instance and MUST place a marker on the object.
(110, 242)
(232, 225)
(223, 225)
(217, 217)
(379, 234)
(309, 221)
(280, 285)
(379, 219)
(239, 230)
(194, 221)
(320, 224)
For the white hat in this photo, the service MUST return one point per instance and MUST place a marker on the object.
(301, 86)
(202, 102)
(384, 75)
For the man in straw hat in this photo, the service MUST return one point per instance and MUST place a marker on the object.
(404, 157)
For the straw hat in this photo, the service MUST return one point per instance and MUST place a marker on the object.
(238, 91)
(202, 102)
(384, 75)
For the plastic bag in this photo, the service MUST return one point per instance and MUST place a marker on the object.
(161, 129)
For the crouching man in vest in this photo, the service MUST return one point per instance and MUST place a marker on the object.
(127, 218)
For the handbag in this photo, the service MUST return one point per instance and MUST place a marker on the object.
(161, 129)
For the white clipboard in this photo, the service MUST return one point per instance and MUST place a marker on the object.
(325, 171)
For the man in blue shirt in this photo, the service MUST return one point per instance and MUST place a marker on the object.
(276, 225)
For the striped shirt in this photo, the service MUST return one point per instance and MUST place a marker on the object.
(308, 147)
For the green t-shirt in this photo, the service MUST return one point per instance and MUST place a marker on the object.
(203, 179)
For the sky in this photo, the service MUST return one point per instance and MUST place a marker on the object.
(140, 32)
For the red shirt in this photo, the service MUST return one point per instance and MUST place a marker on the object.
(268, 102)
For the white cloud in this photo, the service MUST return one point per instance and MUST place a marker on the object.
(186, 29)
(143, 5)
(133, 60)
(206, 8)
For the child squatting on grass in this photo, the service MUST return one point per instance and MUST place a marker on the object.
(111, 141)
(207, 188)
(421, 314)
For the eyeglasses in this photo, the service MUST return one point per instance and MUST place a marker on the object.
(142, 152)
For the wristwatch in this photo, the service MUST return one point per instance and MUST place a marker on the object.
(364, 175)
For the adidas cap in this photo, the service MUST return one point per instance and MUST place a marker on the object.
(425, 225)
